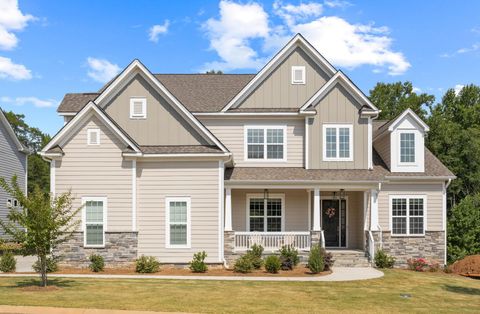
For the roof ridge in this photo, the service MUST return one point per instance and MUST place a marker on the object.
(229, 74)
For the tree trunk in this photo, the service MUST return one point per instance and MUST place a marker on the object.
(43, 270)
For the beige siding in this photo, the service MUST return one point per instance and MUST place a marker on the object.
(338, 107)
(434, 203)
(277, 91)
(231, 133)
(98, 170)
(163, 125)
(382, 146)
(197, 180)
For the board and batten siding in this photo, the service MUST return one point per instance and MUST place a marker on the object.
(382, 146)
(338, 107)
(97, 170)
(277, 90)
(12, 162)
(163, 125)
(158, 180)
(231, 132)
(434, 203)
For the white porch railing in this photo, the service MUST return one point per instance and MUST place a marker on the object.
(272, 241)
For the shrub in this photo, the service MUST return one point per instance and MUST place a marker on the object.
(52, 265)
(197, 265)
(243, 265)
(316, 260)
(417, 264)
(434, 267)
(328, 260)
(147, 264)
(97, 263)
(273, 264)
(383, 260)
(8, 262)
(289, 257)
(255, 255)
(15, 248)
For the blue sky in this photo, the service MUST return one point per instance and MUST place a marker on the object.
(49, 48)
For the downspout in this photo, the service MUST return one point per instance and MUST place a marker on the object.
(445, 231)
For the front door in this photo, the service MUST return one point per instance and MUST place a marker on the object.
(334, 222)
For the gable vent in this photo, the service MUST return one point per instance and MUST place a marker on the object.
(298, 75)
(138, 108)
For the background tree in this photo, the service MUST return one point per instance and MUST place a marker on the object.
(35, 140)
(213, 72)
(49, 221)
(394, 98)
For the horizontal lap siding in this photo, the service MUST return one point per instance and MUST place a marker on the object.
(197, 180)
(98, 170)
(434, 203)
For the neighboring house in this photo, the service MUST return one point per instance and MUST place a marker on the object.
(171, 164)
(13, 161)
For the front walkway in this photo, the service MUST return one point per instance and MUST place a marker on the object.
(338, 274)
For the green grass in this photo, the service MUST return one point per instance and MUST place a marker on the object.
(429, 293)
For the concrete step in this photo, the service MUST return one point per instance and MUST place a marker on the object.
(349, 258)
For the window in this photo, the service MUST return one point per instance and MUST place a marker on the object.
(265, 143)
(298, 75)
(95, 221)
(138, 108)
(265, 215)
(93, 137)
(407, 147)
(337, 142)
(408, 215)
(178, 222)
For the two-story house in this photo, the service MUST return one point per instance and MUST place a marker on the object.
(171, 164)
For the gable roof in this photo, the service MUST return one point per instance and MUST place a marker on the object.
(390, 125)
(297, 41)
(11, 133)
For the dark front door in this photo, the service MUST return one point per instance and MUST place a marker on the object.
(334, 223)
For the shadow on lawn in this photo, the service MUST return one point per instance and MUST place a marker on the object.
(462, 290)
(56, 283)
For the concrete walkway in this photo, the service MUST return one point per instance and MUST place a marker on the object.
(338, 274)
(61, 310)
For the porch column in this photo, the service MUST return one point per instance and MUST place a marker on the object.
(228, 209)
(316, 210)
(374, 210)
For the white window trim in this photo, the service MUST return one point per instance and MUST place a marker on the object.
(265, 128)
(302, 68)
(261, 195)
(143, 100)
(84, 219)
(415, 139)
(91, 132)
(408, 197)
(350, 146)
(186, 199)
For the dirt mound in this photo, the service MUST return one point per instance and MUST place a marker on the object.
(468, 265)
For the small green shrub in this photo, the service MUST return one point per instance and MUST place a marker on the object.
(273, 264)
(52, 265)
(8, 263)
(147, 264)
(328, 260)
(97, 263)
(198, 265)
(289, 257)
(255, 255)
(383, 260)
(316, 260)
(243, 265)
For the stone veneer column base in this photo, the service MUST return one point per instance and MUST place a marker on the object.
(120, 250)
(229, 248)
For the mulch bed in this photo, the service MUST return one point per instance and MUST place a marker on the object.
(469, 266)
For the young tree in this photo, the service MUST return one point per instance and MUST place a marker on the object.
(40, 223)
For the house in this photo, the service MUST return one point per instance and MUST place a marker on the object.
(13, 161)
(167, 165)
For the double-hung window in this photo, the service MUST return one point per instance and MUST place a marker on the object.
(265, 214)
(177, 222)
(95, 211)
(407, 147)
(408, 215)
(265, 143)
(337, 142)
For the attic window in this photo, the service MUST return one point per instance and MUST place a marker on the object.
(298, 75)
(138, 108)
(93, 137)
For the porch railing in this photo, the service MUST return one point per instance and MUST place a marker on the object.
(272, 241)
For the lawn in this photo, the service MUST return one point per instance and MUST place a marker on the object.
(428, 293)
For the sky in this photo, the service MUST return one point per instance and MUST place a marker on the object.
(50, 48)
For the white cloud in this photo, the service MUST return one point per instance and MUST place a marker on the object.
(102, 70)
(416, 89)
(458, 88)
(20, 101)
(240, 26)
(337, 4)
(472, 48)
(11, 19)
(10, 70)
(157, 30)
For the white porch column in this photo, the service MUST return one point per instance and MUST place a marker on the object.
(316, 209)
(374, 210)
(228, 209)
